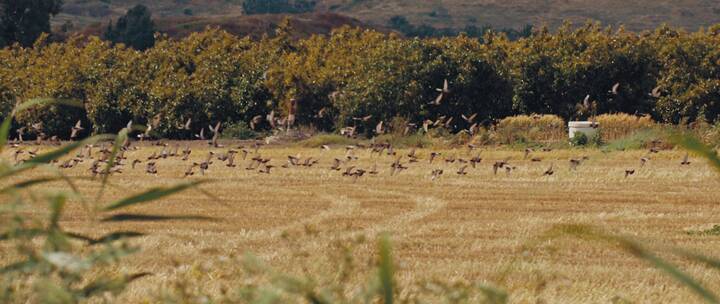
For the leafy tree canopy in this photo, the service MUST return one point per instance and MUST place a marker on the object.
(23, 21)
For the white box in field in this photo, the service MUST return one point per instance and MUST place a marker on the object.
(587, 127)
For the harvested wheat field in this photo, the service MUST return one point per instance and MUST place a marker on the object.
(473, 227)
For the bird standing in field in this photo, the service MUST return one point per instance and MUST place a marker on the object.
(685, 161)
(527, 152)
(231, 159)
(189, 171)
(461, 171)
(17, 153)
(549, 171)
(475, 160)
(435, 174)
(629, 172)
(336, 165)
(151, 168)
(574, 163)
(374, 170)
(267, 168)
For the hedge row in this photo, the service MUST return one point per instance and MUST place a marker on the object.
(213, 76)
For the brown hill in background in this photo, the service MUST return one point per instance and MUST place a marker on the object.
(179, 17)
(244, 25)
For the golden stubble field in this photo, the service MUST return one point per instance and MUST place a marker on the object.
(467, 228)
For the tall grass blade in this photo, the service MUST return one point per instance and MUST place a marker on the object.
(52, 155)
(55, 154)
(150, 195)
(112, 285)
(108, 238)
(56, 207)
(694, 145)
(494, 295)
(5, 131)
(386, 270)
(22, 266)
(28, 183)
(674, 272)
(119, 140)
(126, 217)
(634, 248)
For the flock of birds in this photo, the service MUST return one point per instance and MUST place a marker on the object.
(101, 163)
(348, 165)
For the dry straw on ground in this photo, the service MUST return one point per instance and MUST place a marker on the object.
(531, 128)
(457, 228)
(616, 126)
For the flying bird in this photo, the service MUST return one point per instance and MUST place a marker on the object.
(76, 129)
(255, 121)
(656, 92)
(379, 128)
(443, 91)
(470, 119)
(186, 126)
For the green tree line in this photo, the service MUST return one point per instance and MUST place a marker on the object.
(213, 76)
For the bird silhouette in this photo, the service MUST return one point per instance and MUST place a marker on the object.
(443, 92)
(151, 168)
(201, 135)
(189, 171)
(656, 92)
(135, 162)
(549, 171)
(374, 170)
(461, 171)
(435, 174)
(186, 126)
(216, 134)
(685, 161)
(76, 129)
(527, 152)
(267, 168)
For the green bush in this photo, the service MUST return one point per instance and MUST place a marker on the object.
(238, 130)
(637, 140)
(596, 139)
(580, 139)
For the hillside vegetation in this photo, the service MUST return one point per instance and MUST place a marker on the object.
(635, 15)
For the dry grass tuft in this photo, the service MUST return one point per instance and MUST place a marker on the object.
(616, 126)
(531, 128)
